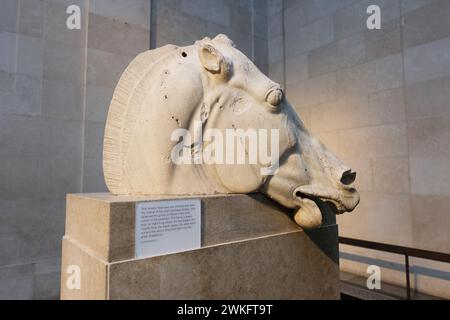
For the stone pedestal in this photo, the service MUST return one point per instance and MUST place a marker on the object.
(250, 249)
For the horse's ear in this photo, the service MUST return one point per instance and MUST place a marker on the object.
(224, 39)
(211, 58)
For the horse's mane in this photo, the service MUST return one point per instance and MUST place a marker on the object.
(123, 111)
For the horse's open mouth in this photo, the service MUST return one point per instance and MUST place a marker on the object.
(308, 215)
(342, 201)
(308, 198)
(302, 195)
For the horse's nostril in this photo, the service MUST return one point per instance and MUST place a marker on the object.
(348, 177)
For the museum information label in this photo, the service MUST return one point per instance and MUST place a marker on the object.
(167, 226)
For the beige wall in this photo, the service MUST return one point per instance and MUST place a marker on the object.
(41, 127)
(380, 100)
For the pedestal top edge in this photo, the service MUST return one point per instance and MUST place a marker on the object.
(110, 198)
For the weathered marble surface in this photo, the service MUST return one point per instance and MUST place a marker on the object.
(250, 249)
(212, 86)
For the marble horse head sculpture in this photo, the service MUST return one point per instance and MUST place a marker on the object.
(169, 95)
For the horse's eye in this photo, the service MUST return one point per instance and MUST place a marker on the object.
(274, 97)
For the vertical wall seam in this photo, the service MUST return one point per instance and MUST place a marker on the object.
(283, 34)
(252, 17)
(150, 34)
(84, 90)
(405, 97)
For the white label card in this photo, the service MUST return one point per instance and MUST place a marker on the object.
(167, 226)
